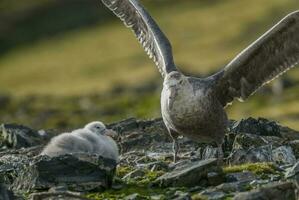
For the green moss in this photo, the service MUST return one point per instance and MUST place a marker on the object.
(257, 168)
(149, 177)
(199, 197)
(123, 170)
(144, 193)
(146, 179)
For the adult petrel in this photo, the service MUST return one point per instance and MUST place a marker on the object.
(194, 107)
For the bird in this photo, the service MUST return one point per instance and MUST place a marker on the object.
(94, 138)
(195, 106)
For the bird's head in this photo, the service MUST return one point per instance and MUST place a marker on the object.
(100, 129)
(174, 79)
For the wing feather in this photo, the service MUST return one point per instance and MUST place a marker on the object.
(271, 55)
(148, 33)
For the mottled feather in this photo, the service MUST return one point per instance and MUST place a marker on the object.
(146, 31)
(268, 57)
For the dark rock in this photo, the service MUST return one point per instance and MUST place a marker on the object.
(253, 155)
(258, 126)
(248, 141)
(243, 177)
(211, 194)
(124, 126)
(6, 194)
(185, 175)
(282, 155)
(56, 195)
(138, 134)
(295, 147)
(233, 187)
(215, 178)
(78, 172)
(18, 136)
(273, 191)
(288, 133)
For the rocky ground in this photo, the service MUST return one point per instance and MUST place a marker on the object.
(261, 163)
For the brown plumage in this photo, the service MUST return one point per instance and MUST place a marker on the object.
(193, 106)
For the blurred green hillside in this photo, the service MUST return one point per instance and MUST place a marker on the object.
(66, 62)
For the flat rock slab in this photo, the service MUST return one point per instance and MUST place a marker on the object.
(80, 172)
(190, 174)
(274, 191)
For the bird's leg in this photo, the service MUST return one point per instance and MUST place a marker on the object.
(220, 154)
(175, 148)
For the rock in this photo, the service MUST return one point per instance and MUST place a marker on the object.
(243, 177)
(258, 126)
(239, 186)
(134, 196)
(157, 197)
(10, 167)
(293, 172)
(147, 154)
(134, 174)
(215, 178)
(210, 194)
(5, 194)
(78, 172)
(253, 155)
(155, 166)
(288, 133)
(138, 134)
(273, 191)
(179, 195)
(18, 136)
(284, 155)
(185, 175)
(248, 141)
(66, 195)
(295, 147)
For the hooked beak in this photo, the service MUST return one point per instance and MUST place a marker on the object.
(111, 133)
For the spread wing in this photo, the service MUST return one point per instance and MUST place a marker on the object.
(146, 30)
(268, 57)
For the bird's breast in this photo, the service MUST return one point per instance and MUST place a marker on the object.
(192, 113)
(180, 104)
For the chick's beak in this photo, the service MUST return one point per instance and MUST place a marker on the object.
(111, 133)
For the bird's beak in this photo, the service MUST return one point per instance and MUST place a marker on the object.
(111, 133)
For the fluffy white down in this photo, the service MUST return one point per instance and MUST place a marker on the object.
(85, 140)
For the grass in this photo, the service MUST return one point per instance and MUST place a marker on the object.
(257, 168)
(96, 59)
